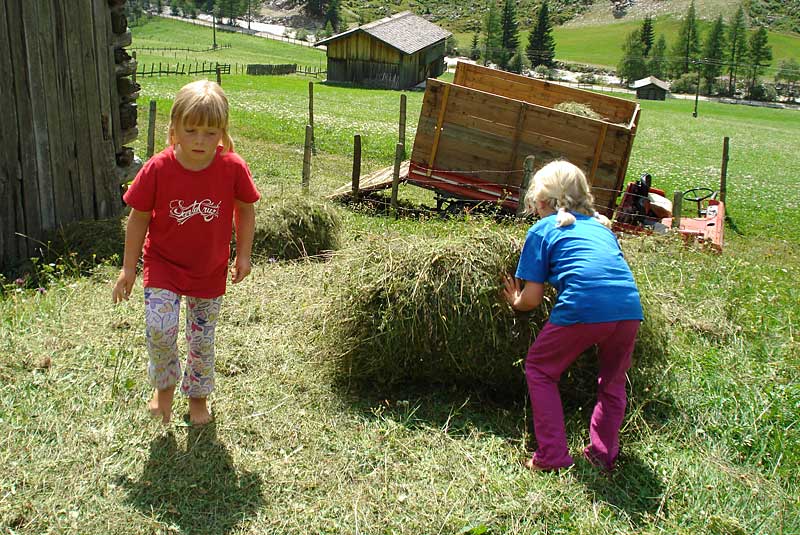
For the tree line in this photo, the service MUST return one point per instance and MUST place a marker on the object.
(730, 56)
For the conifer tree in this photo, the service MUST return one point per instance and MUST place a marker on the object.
(333, 15)
(737, 47)
(510, 33)
(648, 34)
(632, 66)
(541, 49)
(493, 34)
(475, 51)
(687, 47)
(760, 56)
(713, 54)
(790, 73)
(656, 66)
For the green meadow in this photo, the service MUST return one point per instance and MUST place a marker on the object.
(711, 442)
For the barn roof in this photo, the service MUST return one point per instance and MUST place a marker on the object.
(650, 80)
(404, 31)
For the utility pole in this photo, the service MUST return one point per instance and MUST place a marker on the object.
(214, 28)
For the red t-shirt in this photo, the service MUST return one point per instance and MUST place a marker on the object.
(187, 247)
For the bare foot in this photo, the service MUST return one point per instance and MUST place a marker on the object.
(161, 404)
(198, 411)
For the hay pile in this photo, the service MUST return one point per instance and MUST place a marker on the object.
(295, 227)
(577, 108)
(428, 311)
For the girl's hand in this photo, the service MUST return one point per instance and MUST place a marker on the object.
(124, 285)
(240, 269)
(512, 289)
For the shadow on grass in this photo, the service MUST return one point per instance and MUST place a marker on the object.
(198, 489)
(633, 488)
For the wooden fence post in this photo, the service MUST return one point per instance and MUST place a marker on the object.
(526, 182)
(677, 208)
(151, 129)
(219, 75)
(311, 116)
(356, 165)
(133, 76)
(307, 159)
(723, 179)
(398, 158)
(402, 132)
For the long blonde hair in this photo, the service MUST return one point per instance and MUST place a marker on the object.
(201, 103)
(563, 187)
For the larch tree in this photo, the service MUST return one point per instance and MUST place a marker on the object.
(510, 33)
(737, 47)
(493, 35)
(713, 54)
(633, 64)
(657, 64)
(687, 47)
(760, 56)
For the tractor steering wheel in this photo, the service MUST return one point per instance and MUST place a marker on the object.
(699, 195)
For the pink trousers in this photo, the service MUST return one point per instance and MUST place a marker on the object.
(554, 350)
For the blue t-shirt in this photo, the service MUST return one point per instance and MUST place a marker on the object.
(584, 263)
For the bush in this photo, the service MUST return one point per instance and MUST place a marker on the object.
(687, 83)
(543, 71)
(764, 92)
(296, 227)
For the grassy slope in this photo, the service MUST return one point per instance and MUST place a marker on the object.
(711, 442)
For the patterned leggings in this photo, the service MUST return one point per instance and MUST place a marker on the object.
(162, 311)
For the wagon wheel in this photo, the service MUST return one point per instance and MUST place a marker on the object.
(698, 195)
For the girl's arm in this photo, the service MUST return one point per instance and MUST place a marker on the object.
(244, 219)
(135, 232)
(522, 298)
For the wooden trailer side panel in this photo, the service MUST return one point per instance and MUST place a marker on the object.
(473, 133)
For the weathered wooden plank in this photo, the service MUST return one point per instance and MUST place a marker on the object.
(67, 186)
(82, 142)
(38, 96)
(51, 108)
(92, 110)
(28, 213)
(8, 150)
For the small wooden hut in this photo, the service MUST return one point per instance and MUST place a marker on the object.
(395, 52)
(651, 88)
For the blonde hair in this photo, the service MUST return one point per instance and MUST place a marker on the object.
(564, 188)
(201, 103)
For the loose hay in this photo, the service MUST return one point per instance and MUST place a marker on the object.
(428, 311)
(296, 227)
(577, 108)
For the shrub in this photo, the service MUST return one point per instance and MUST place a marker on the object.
(687, 83)
(543, 71)
(295, 227)
(587, 78)
(764, 92)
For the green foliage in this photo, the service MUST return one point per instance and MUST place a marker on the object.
(510, 33)
(713, 54)
(474, 50)
(779, 15)
(633, 65)
(657, 65)
(687, 48)
(333, 16)
(687, 83)
(541, 47)
(519, 63)
(760, 56)
(493, 36)
(737, 43)
(648, 35)
(790, 73)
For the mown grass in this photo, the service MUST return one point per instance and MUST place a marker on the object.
(710, 444)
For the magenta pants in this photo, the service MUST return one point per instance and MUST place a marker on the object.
(554, 350)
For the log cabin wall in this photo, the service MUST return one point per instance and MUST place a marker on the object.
(68, 111)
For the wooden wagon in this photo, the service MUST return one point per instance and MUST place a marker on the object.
(475, 133)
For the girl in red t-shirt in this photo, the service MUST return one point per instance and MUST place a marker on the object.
(185, 203)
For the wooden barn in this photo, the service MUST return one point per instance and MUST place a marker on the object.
(395, 52)
(651, 88)
(69, 110)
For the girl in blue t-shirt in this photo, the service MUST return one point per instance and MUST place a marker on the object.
(571, 249)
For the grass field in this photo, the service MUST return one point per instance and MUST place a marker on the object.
(711, 443)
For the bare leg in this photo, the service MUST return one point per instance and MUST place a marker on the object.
(161, 404)
(198, 411)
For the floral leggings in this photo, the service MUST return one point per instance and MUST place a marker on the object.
(162, 313)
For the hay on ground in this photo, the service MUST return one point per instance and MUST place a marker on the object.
(295, 227)
(428, 311)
